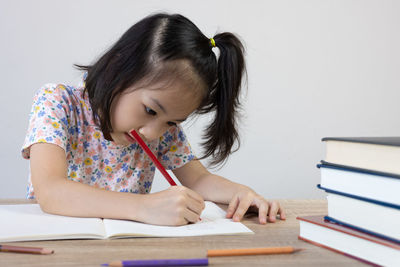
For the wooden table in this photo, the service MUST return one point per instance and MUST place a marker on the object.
(282, 233)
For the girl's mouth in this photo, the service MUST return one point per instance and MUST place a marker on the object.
(129, 138)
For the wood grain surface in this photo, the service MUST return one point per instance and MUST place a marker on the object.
(281, 233)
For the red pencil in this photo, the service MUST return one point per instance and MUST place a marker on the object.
(152, 156)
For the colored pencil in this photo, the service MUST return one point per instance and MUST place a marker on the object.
(29, 250)
(152, 156)
(251, 251)
(163, 262)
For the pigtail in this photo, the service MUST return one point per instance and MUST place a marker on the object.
(222, 133)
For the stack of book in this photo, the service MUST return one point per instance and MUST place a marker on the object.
(361, 176)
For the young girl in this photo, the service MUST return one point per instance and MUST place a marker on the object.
(158, 73)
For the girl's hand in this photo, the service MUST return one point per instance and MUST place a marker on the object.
(177, 205)
(246, 199)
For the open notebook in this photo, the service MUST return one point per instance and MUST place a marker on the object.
(27, 222)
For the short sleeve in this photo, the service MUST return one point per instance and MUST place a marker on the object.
(48, 119)
(174, 150)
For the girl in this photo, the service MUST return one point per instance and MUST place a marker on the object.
(161, 71)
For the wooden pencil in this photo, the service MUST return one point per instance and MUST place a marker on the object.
(29, 250)
(251, 251)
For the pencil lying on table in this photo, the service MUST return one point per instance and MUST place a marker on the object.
(251, 251)
(29, 250)
(159, 263)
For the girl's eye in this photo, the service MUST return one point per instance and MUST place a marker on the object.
(150, 111)
(153, 113)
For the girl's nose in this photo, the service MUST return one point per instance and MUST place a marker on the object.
(150, 132)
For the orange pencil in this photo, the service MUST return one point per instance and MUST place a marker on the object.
(251, 251)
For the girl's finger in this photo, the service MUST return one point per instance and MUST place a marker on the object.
(194, 205)
(282, 213)
(191, 216)
(273, 210)
(243, 206)
(232, 207)
(262, 212)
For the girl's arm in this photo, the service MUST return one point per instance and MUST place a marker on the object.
(218, 189)
(58, 195)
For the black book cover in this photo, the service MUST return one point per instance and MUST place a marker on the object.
(379, 140)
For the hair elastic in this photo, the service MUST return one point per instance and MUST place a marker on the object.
(212, 42)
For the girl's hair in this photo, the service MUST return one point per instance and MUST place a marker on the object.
(146, 52)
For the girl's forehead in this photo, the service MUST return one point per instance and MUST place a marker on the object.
(176, 87)
(174, 93)
(176, 74)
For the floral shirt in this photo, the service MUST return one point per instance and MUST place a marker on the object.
(60, 115)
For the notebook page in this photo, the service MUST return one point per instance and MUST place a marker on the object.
(213, 223)
(28, 222)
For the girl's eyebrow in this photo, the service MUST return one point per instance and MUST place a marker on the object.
(163, 109)
(159, 105)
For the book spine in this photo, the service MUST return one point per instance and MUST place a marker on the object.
(374, 201)
(337, 251)
(362, 230)
(325, 164)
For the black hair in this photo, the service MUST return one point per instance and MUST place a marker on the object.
(158, 40)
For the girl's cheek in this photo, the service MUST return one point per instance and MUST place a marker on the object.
(121, 123)
(134, 122)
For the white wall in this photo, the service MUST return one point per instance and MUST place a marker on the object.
(316, 68)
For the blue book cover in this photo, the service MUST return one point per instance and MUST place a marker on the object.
(374, 201)
(325, 164)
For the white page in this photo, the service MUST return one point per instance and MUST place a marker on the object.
(28, 222)
(213, 223)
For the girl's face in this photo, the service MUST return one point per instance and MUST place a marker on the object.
(151, 110)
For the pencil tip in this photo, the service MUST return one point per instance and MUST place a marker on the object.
(298, 249)
(47, 251)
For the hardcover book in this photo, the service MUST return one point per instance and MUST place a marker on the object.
(361, 182)
(361, 246)
(372, 216)
(374, 153)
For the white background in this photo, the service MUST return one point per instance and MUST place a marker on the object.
(316, 68)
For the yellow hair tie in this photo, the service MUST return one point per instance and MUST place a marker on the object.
(212, 42)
